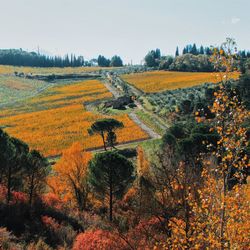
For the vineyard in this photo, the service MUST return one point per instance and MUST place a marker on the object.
(53, 120)
(158, 81)
(5, 69)
(16, 88)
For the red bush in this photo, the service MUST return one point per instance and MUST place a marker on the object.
(98, 239)
(52, 200)
(50, 223)
(18, 197)
(147, 234)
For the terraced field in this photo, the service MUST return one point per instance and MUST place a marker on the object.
(53, 120)
(158, 81)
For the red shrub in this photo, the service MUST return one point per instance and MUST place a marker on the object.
(50, 223)
(147, 234)
(52, 200)
(18, 197)
(98, 239)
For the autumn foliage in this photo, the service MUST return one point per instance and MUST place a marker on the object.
(6, 69)
(54, 120)
(69, 179)
(97, 239)
(157, 81)
(190, 190)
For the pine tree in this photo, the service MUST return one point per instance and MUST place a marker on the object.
(109, 175)
(194, 50)
(103, 127)
(157, 54)
(201, 50)
(177, 52)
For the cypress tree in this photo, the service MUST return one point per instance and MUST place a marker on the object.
(194, 49)
(177, 52)
(201, 50)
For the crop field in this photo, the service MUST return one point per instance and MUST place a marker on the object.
(158, 81)
(53, 120)
(5, 69)
(16, 88)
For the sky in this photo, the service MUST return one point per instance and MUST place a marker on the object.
(129, 28)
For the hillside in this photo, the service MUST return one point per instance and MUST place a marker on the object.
(54, 119)
(125, 158)
(157, 81)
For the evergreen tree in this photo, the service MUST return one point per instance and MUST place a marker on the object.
(116, 61)
(7, 155)
(105, 128)
(157, 54)
(194, 50)
(36, 171)
(201, 50)
(102, 61)
(109, 175)
(189, 48)
(177, 52)
(208, 51)
(23, 58)
(150, 59)
(15, 165)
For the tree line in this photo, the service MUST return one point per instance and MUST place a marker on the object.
(204, 50)
(193, 58)
(115, 61)
(19, 57)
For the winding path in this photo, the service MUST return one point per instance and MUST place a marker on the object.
(148, 130)
(116, 93)
(112, 89)
(152, 134)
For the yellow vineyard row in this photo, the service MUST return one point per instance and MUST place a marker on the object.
(157, 81)
(54, 120)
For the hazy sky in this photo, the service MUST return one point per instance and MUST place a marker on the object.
(129, 28)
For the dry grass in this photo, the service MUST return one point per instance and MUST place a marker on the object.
(54, 120)
(157, 81)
